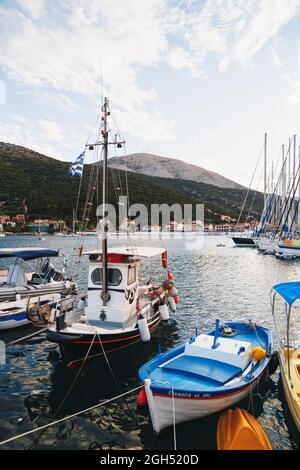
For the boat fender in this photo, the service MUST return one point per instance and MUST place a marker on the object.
(143, 328)
(164, 260)
(176, 299)
(141, 399)
(173, 292)
(169, 276)
(172, 304)
(164, 312)
(258, 353)
(167, 285)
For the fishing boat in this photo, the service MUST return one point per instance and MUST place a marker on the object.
(207, 374)
(21, 279)
(289, 354)
(116, 316)
(239, 430)
(120, 312)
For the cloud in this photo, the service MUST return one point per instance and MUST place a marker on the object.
(51, 130)
(234, 31)
(59, 50)
(34, 8)
(69, 54)
(25, 133)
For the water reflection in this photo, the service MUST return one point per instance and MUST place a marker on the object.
(226, 282)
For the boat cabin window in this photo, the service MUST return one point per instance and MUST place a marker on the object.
(131, 275)
(114, 276)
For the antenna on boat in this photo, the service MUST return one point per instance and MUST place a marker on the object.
(104, 143)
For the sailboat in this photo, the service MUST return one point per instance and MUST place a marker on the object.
(119, 312)
(248, 240)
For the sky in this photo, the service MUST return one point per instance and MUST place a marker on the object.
(198, 80)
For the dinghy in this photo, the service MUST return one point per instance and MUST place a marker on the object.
(29, 297)
(209, 373)
(41, 281)
(238, 430)
(289, 354)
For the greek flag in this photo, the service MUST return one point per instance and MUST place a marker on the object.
(76, 168)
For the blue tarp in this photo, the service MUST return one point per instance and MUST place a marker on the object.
(289, 291)
(27, 253)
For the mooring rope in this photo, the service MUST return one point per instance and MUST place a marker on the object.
(98, 405)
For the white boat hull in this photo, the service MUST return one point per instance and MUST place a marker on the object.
(287, 253)
(164, 409)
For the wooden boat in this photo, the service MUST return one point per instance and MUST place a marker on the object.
(209, 373)
(238, 430)
(289, 355)
(120, 312)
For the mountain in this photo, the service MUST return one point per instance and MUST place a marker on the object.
(165, 167)
(38, 186)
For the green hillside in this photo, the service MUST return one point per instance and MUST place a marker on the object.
(38, 186)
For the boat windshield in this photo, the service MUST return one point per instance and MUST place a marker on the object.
(114, 276)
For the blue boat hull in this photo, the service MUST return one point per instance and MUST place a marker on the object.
(192, 387)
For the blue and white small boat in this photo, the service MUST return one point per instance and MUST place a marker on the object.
(30, 297)
(209, 373)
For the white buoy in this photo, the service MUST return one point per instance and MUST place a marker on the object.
(173, 292)
(143, 328)
(164, 312)
(172, 304)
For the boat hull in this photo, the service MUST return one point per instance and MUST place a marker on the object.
(286, 252)
(246, 242)
(77, 348)
(9, 321)
(163, 407)
(291, 394)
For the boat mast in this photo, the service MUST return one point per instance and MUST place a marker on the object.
(104, 143)
(265, 169)
(104, 293)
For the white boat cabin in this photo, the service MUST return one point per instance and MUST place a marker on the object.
(122, 284)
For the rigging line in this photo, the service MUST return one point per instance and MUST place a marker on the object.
(287, 195)
(264, 215)
(254, 194)
(248, 190)
(113, 375)
(78, 413)
(68, 392)
(291, 199)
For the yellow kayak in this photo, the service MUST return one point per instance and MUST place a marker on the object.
(291, 386)
(238, 430)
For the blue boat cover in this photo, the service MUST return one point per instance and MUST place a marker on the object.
(27, 253)
(289, 291)
(203, 368)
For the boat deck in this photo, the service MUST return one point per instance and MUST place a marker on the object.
(185, 373)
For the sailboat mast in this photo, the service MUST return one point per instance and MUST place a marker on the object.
(265, 169)
(104, 293)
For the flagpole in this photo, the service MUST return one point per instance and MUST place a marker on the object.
(77, 202)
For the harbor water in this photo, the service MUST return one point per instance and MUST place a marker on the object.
(232, 284)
